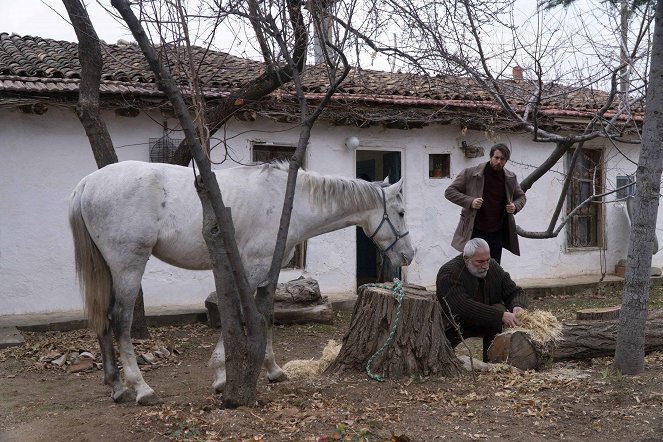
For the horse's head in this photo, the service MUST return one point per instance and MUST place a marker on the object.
(387, 228)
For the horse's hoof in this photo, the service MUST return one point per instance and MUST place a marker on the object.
(149, 399)
(280, 378)
(218, 389)
(126, 395)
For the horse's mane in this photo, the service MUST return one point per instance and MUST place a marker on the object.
(348, 193)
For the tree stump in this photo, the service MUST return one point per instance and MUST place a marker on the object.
(603, 313)
(419, 346)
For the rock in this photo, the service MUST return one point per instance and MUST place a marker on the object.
(470, 364)
(48, 357)
(82, 365)
(149, 358)
(163, 352)
(10, 337)
(60, 361)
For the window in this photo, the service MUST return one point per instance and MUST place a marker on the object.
(438, 165)
(625, 180)
(585, 228)
(264, 153)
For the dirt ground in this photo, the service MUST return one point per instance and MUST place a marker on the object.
(587, 400)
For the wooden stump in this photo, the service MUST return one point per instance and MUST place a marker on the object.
(419, 346)
(603, 313)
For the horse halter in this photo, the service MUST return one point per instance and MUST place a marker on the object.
(385, 217)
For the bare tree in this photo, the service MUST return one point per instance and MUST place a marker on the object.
(245, 319)
(630, 345)
(89, 113)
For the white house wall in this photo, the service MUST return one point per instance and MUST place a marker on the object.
(44, 156)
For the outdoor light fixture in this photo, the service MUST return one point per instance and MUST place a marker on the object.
(352, 143)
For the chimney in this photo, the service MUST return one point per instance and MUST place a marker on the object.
(517, 73)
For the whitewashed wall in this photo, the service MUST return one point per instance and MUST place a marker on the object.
(45, 156)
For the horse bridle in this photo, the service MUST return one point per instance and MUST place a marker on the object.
(385, 217)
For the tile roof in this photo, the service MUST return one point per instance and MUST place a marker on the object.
(38, 67)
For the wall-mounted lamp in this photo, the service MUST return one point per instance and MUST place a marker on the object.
(352, 143)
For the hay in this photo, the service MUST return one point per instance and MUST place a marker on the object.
(542, 327)
(309, 368)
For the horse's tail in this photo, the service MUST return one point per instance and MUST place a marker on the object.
(92, 271)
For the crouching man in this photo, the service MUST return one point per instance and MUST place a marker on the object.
(479, 295)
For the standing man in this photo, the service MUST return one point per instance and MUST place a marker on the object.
(478, 295)
(489, 195)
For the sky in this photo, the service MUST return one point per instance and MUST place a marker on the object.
(48, 19)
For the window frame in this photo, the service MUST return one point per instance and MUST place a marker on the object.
(592, 215)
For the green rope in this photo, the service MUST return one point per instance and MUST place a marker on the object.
(399, 294)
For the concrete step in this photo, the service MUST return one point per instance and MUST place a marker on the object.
(11, 325)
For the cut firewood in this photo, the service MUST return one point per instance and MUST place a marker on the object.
(579, 340)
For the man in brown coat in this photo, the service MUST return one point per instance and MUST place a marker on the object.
(489, 195)
(477, 296)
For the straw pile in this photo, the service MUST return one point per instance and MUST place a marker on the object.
(542, 327)
(309, 368)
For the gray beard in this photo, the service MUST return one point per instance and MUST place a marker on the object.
(477, 274)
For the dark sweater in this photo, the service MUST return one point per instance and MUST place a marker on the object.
(459, 288)
(490, 217)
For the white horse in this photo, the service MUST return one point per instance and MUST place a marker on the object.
(125, 212)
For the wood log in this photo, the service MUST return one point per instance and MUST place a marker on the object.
(602, 313)
(419, 346)
(517, 349)
(580, 340)
(295, 302)
(286, 313)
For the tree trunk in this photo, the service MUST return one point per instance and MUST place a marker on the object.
(630, 346)
(419, 346)
(245, 348)
(580, 340)
(240, 316)
(89, 114)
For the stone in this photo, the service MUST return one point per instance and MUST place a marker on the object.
(50, 356)
(10, 337)
(149, 358)
(60, 361)
(82, 365)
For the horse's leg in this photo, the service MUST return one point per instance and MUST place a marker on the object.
(218, 363)
(126, 285)
(111, 372)
(274, 372)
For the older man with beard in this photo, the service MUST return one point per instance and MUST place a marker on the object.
(479, 295)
